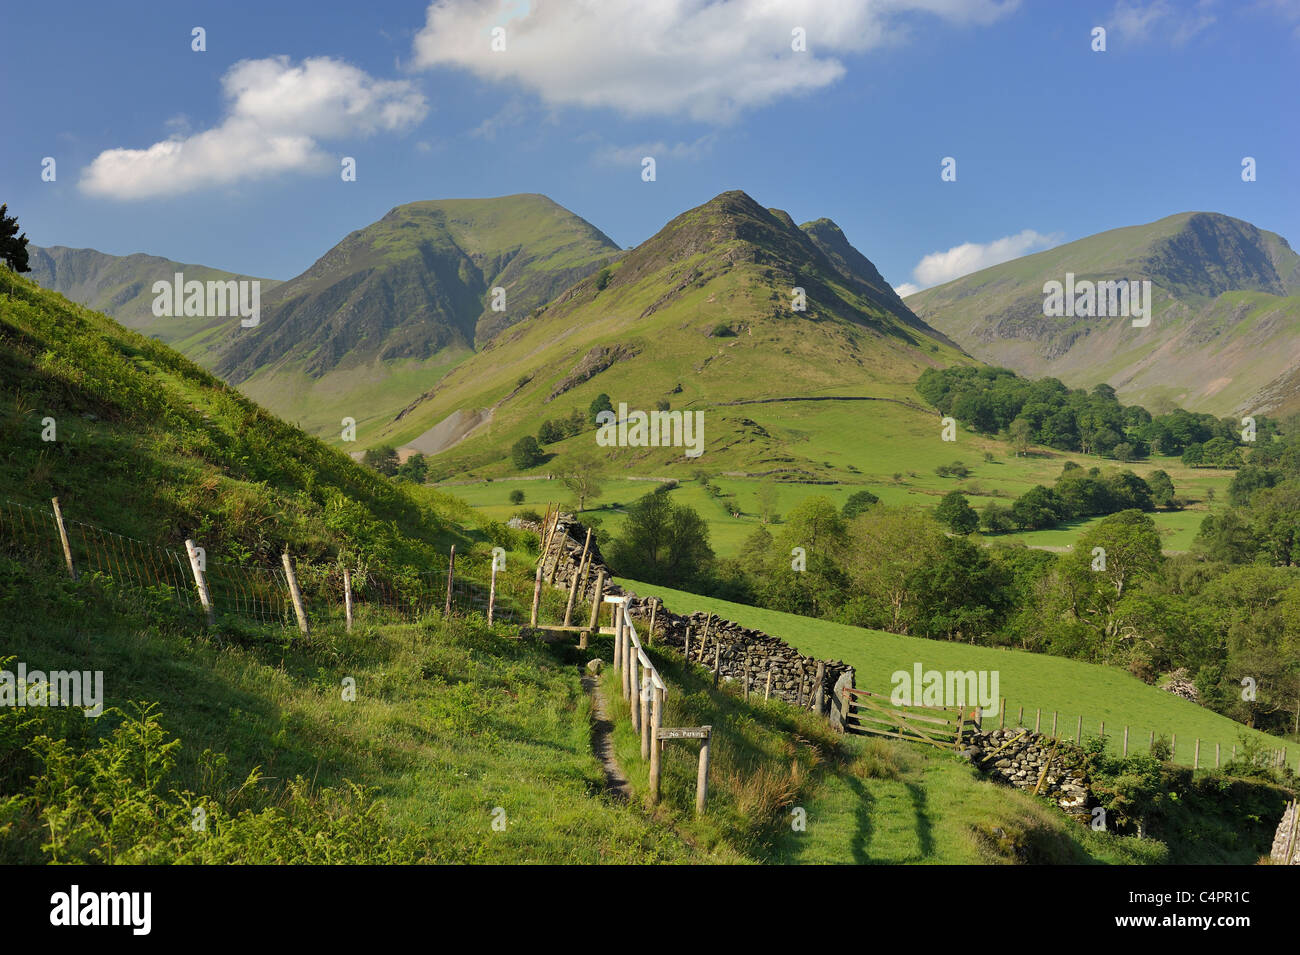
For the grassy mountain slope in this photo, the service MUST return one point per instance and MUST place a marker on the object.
(395, 305)
(699, 315)
(153, 447)
(121, 286)
(1223, 338)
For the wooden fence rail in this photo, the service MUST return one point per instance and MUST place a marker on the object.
(865, 712)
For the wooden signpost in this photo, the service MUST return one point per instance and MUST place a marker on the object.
(702, 733)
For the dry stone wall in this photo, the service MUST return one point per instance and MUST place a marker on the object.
(743, 650)
(1017, 756)
(1287, 832)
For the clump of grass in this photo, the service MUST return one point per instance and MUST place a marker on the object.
(877, 760)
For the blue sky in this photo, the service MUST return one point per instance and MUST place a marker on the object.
(231, 157)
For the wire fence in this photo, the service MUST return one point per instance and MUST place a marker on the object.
(257, 593)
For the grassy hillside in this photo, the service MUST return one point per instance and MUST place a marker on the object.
(149, 445)
(1032, 681)
(122, 286)
(699, 315)
(381, 316)
(1222, 339)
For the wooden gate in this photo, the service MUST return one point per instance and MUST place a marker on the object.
(876, 714)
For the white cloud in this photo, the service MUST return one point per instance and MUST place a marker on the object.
(276, 115)
(1138, 22)
(939, 267)
(703, 59)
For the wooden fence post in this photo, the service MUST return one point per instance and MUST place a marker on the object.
(717, 658)
(746, 690)
(619, 665)
(537, 597)
(633, 683)
(1020, 717)
(63, 536)
(1196, 756)
(299, 610)
(347, 599)
(1053, 724)
(647, 689)
(199, 581)
(451, 575)
(1078, 732)
(1125, 754)
(558, 540)
(686, 651)
(1038, 719)
(596, 600)
(573, 592)
(767, 691)
(1216, 755)
(821, 678)
(1173, 746)
(492, 591)
(1102, 731)
(650, 634)
(656, 746)
(581, 569)
(1002, 713)
(702, 780)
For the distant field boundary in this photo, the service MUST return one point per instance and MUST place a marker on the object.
(764, 401)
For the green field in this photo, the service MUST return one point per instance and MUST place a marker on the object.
(1041, 685)
(892, 452)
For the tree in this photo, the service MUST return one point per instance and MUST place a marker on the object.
(955, 512)
(550, 432)
(1162, 489)
(814, 535)
(996, 518)
(13, 247)
(1037, 508)
(886, 545)
(383, 459)
(858, 502)
(601, 403)
(1110, 560)
(662, 543)
(414, 468)
(960, 594)
(526, 453)
(582, 476)
(766, 496)
(516, 496)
